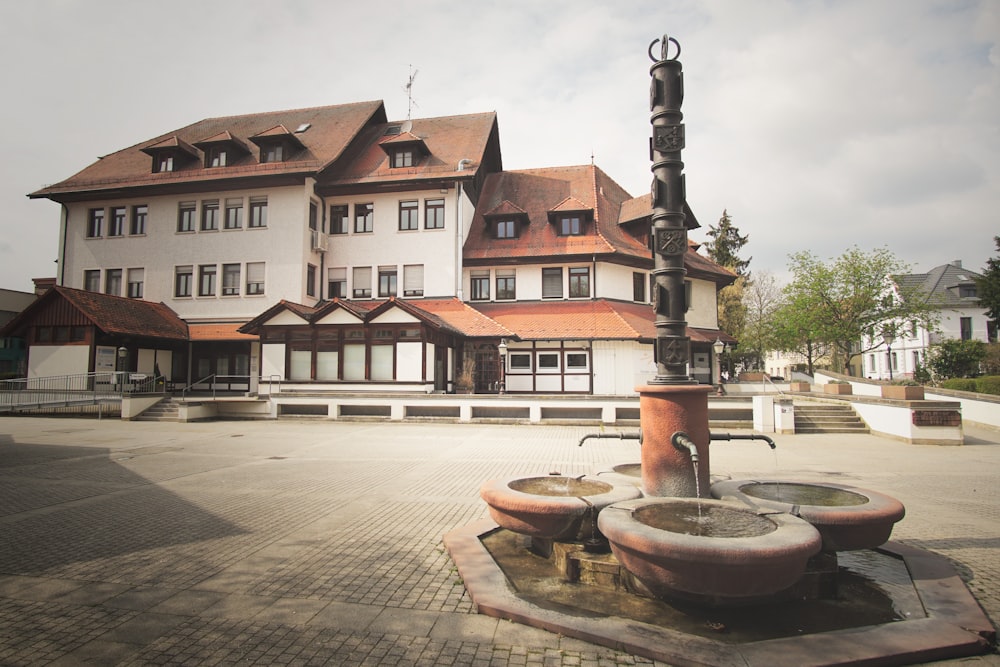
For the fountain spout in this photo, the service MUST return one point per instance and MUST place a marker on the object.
(750, 436)
(682, 442)
(621, 436)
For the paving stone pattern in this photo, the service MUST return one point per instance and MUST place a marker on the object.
(319, 543)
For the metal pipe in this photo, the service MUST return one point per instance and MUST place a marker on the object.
(683, 442)
(621, 436)
(750, 436)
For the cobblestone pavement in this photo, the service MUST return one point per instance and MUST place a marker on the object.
(319, 543)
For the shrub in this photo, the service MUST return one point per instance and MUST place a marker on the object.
(960, 384)
(988, 384)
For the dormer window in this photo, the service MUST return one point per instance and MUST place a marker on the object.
(570, 225)
(277, 144)
(222, 149)
(170, 154)
(505, 229)
(402, 158)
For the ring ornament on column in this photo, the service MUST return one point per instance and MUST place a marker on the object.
(665, 41)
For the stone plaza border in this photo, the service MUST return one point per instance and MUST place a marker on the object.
(955, 627)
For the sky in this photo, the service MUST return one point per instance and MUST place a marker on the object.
(817, 124)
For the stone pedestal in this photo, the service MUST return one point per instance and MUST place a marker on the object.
(664, 410)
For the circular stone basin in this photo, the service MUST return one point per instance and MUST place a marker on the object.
(848, 518)
(629, 469)
(554, 507)
(722, 553)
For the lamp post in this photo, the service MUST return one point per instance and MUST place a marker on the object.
(502, 349)
(889, 339)
(120, 363)
(718, 347)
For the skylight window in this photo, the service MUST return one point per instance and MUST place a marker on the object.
(302, 128)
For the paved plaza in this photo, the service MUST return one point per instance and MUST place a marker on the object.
(319, 543)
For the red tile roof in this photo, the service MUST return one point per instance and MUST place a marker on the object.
(207, 332)
(111, 314)
(332, 128)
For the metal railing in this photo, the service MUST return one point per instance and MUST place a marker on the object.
(216, 383)
(78, 389)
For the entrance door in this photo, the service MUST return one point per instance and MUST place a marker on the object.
(487, 373)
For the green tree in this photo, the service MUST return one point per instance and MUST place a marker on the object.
(988, 286)
(853, 299)
(726, 244)
(796, 328)
(954, 358)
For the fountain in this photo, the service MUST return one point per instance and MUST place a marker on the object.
(739, 579)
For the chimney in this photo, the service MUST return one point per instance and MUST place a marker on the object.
(957, 263)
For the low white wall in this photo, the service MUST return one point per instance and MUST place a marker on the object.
(896, 421)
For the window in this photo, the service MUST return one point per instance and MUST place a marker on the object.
(255, 277)
(336, 283)
(230, 279)
(362, 282)
(413, 280)
(639, 287)
(113, 282)
(273, 153)
(552, 283)
(520, 361)
(387, 281)
(364, 215)
(505, 229)
(892, 361)
(139, 214)
(258, 212)
(402, 158)
(480, 283)
(206, 280)
(382, 362)
(505, 284)
(433, 214)
(313, 216)
(966, 291)
(409, 214)
(217, 156)
(182, 281)
(310, 280)
(965, 326)
(92, 280)
(548, 362)
(234, 214)
(95, 223)
(339, 219)
(576, 361)
(117, 226)
(570, 225)
(164, 162)
(579, 282)
(210, 215)
(135, 279)
(185, 216)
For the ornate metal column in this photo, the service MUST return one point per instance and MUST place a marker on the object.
(669, 224)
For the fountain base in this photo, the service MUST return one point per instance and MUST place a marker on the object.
(534, 592)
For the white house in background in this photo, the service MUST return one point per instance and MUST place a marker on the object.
(951, 289)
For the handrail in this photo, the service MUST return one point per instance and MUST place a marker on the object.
(31, 393)
(215, 379)
(201, 381)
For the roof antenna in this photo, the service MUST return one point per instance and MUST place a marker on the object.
(591, 157)
(409, 93)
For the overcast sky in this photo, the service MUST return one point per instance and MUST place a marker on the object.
(817, 124)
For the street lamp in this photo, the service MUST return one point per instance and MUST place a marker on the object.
(889, 339)
(502, 349)
(120, 362)
(718, 347)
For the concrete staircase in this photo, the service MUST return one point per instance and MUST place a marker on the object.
(827, 418)
(166, 410)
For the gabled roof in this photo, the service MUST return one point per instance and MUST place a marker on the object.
(540, 191)
(217, 332)
(449, 315)
(331, 129)
(111, 314)
(445, 141)
(940, 285)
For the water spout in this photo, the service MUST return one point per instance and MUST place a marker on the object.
(682, 442)
(750, 436)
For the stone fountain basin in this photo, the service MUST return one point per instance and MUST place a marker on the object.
(848, 518)
(553, 507)
(746, 556)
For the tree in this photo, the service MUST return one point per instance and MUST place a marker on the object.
(954, 358)
(853, 299)
(760, 300)
(726, 244)
(988, 286)
(796, 328)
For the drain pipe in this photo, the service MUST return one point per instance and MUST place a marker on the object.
(459, 231)
(751, 436)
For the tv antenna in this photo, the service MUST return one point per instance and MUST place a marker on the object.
(409, 92)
